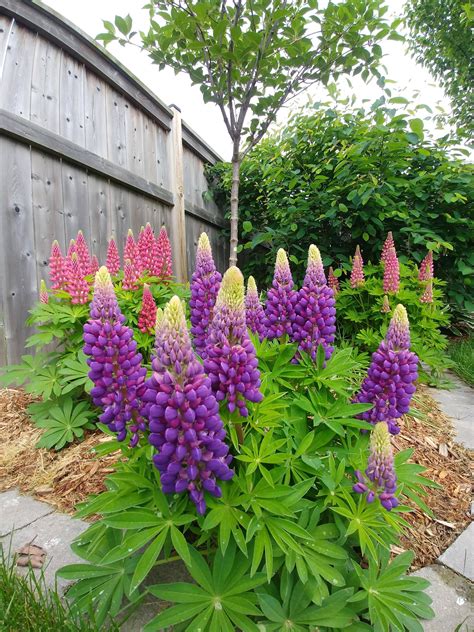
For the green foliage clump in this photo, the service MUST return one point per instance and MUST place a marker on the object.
(462, 355)
(289, 545)
(341, 178)
(57, 373)
(361, 321)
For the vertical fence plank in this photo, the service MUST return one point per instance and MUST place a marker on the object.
(177, 186)
(98, 207)
(71, 104)
(45, 85)
(6, 25)
(75, 199)
(116, 128)
(17, 71)
(95, 98)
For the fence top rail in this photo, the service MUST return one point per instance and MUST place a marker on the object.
(54, 27)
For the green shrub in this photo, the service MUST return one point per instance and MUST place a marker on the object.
(340, 178)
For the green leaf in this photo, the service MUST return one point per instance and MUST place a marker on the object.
(148, 559)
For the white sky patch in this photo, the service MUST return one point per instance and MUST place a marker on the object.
(205, 119)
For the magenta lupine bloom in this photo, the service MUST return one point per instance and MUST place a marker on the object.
(131, 254)
(385, 309)
(112, 263)
(77, 286)
(146, 246)
(333, 281)
(315, 312)
(281, 300)
(130, 276)
(161, 264)
(147, 316)
(357, 272)
(231, 361)
(94, 267)
(183, 414)
(43, 293)
(205, 284)
(358, 253)
(83, 254)
(380, 478)
(254, 313)
(71, 249)
(115, 364)
(426, 271)
(390, 382)
(389, 243)
(391, 273)
(427, 296)
(57, 274)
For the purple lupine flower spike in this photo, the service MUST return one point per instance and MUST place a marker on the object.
(390, 381)
(380, 478)
(281, 300)
(115, 364)
(205, 285)
(183, 414)
(231, 361)
(254, 314)
(315, 312)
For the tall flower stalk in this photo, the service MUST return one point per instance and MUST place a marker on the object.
(147, 316)
(57, 273)
(391, 274)
(426, 271)
(254, 313)
(161, 264)
(388, 243)
(333, 281)
(115, 364)
(205, 284)
(390, 382)
(146, 247)
(113, 260)
(183, 414)
(281, 300)
(357, 272)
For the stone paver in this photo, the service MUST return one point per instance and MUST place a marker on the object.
(460, 555)
(458, 404)
(452, 597)
(17, 511)
(51, 530)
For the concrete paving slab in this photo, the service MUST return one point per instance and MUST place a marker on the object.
(453, 600)
(54, 532)
(17, 511)
(458, 404)
(460, 555)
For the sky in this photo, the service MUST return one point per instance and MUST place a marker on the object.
(205, 119)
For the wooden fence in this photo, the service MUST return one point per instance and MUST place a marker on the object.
(84, 145)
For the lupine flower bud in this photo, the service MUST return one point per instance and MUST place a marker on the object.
(130, 253)
(254, 314)
(112, 262)
(357, 273)
(231, 361)
(57, 273)
(391, 274)
(146, 245)
(426, 268)
(358, 253)
(205, 284)
(94, 267)
(315, 313)
(281, 300)
(115, 364)
(77, 286)
(385, 305)
(43, 295)
(390, 382)
(161, 264)
(389, 243)
(72, 248)
(333, 281)
(147, 316)
(380, 478)
(130, 276)
(183, 414)
(427, 296)
(83, 255)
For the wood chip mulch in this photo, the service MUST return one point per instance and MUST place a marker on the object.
(66, 478)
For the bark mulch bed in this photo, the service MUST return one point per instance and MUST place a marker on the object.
(66, 478)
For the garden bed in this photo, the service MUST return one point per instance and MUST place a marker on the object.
(66, 478)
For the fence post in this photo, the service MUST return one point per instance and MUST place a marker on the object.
(178, 222)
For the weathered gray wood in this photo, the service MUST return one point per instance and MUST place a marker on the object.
(35, 135)
(202, 214)
(19, 287)
(178, 221)
(134, 123)
(75, 200)
(18, 67)
(95, 98)
(45, 82)
(71, 104)
(6, 25)
(116, 127)
(48, 212)
(118, 217)
(99, 201)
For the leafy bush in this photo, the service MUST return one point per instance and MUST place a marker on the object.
(338, 178)
(57, 373)
(361, 321)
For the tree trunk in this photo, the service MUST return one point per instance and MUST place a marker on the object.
(234, 205)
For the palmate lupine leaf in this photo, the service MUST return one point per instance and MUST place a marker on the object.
(74, 372)
(64, 422)
(18, 374)
(222, 598)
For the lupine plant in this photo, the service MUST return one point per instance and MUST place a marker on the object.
(281, 299)
(297, 535)
(254, 313)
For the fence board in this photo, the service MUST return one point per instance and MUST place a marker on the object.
(96, 114)
(71, 104)
(99, 200)
(6, 24)
(16, 78)
(75, 199)
(45, 85)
